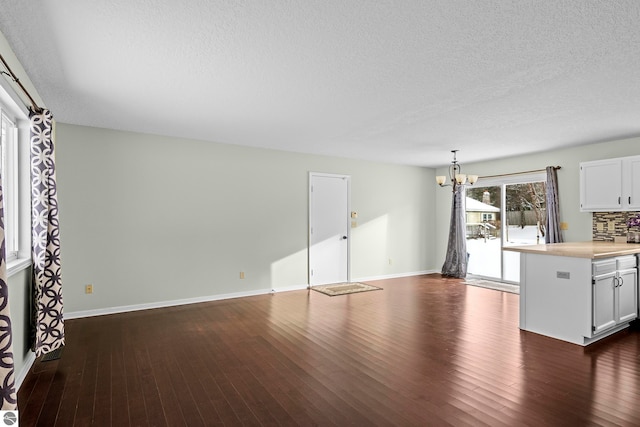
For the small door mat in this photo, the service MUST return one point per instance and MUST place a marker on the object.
(52, 355)
(336, 289)
(497, 286)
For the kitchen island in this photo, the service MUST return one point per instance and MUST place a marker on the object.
(578, 292)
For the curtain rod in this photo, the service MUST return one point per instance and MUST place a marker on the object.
(34, 106)
(519, 173)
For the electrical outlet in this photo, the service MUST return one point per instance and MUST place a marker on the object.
(390, 262)
(88, 289)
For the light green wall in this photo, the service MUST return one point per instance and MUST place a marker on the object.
(19, 301)
(147, 219)
(568, 183)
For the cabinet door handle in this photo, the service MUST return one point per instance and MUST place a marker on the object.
(629, 199)
(618, 199)
(617, 282)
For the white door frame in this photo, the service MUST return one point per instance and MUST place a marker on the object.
(311, 221)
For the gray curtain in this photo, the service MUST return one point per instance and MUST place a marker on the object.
(455, 264)
(48, 328)
(553, 234)
(7, 372)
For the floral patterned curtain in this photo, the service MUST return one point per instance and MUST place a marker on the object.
(48, 328)
(7, 373)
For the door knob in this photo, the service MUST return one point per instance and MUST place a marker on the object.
(344, 237)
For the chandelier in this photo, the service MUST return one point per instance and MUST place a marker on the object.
(455, 175)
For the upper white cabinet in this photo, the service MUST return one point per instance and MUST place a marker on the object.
(631, 183)
(601, 185)
(610, 185)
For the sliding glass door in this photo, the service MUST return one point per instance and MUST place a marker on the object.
(500, 212)
(484, 230)
(525, 220)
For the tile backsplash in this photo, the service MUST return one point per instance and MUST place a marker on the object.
(607, 225)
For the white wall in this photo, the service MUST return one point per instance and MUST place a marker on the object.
(147, 219)
(580, 226)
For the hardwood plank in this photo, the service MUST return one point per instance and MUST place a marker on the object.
(204, 385)
(31, 412)
(103, 404)
(51, 406)
(149, 388)
(72, 364)
(120, 412)
(87, 389)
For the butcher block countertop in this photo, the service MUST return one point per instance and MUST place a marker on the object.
(593, 250)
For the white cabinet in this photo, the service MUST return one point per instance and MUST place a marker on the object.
(604, 301)
(627, 295)
(615, 292)
(601, 185)
(610, 185)
(631, 183)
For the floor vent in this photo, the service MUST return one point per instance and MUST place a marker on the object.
(53, 355)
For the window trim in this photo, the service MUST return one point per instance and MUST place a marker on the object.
(9, 169)
(18, 115)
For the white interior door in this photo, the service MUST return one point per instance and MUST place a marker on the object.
(328, 228)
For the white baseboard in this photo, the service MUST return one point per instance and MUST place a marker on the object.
(161, 304)
(291, 288)
(28, 363)
(394, 276)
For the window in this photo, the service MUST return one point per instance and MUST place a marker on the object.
(9, 174)
(16, 183)
(487, 217)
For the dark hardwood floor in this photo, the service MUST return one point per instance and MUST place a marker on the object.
(424, 351)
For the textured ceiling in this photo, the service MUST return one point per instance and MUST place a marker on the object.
(397, 81)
